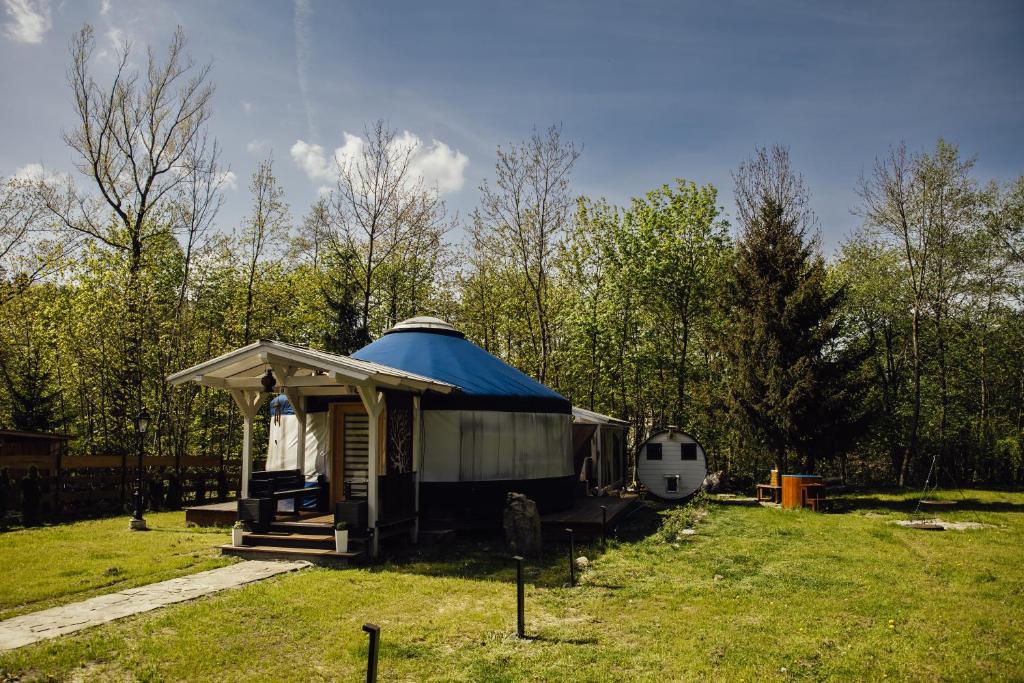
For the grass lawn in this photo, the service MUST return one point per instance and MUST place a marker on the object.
(755, 594)
(46, 566)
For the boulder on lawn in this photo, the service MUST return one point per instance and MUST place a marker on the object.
(712, 483)
(522, 525)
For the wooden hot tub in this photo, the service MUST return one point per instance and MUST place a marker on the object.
(792, 489)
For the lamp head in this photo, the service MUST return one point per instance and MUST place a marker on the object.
(142, 421)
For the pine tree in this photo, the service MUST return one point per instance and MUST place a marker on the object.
(346, 333)
(792, 383)
(33, 400)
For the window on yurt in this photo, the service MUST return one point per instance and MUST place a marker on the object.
(672, 484)
(689, 451)
(654, 451)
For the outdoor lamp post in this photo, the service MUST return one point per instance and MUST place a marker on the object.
(137, 523)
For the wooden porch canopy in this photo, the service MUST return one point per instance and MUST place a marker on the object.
(301, 372)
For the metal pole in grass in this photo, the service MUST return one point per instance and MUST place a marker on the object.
(520, 599)
(604, 527)
(371, 656)
(572, 565)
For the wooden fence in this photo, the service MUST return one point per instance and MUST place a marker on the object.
(95, 485)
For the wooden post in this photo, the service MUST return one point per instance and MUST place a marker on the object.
(300, 419)
(246, 453)
(374, 404)
(417, 460)
(248, 403)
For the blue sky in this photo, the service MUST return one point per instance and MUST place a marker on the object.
(651, 90)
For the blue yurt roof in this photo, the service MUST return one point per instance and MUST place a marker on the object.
(433, 348)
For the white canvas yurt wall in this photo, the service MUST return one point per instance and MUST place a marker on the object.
(671, 464)
(283, 444)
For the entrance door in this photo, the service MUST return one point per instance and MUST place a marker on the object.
(349, 465)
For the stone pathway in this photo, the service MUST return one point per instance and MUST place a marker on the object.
(57, 621)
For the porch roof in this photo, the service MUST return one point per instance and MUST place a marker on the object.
(301, 369)
(584, 416)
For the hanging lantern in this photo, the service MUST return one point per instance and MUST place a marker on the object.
(268, 381)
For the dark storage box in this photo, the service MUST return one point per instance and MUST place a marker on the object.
(353, 513)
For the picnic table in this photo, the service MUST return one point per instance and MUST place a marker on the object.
(769, 493)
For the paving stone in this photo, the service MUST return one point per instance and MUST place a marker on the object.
(32, 628)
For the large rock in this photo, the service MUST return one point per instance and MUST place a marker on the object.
(712, 483)
(522, 525)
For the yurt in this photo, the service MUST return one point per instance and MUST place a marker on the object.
(671, 464)
(420, 425)
(501, 431)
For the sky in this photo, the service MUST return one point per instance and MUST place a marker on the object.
(651, 91)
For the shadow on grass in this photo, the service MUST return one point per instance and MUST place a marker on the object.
(483, 556)
(860, 503)
(561, 641)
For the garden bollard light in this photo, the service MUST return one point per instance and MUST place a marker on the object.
(520, 599)
(371, 655)
(572, 566)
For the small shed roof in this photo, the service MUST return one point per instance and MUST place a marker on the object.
(584, 416)
(300, 368)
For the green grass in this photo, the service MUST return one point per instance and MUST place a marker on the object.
(756, 594)
(46, 566)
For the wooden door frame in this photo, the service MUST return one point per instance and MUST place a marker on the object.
(336, 412)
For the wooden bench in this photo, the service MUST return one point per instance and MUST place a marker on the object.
(814, 496)
(285, 485)
(266, 488)
(768, 492)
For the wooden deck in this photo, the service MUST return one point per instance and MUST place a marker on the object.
(225, 514)
(214, 514)
(584, 517)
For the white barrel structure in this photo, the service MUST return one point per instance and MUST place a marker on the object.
(671, 464)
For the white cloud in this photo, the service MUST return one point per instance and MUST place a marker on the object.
(116, 37)
(436, 164)
(28, 20)
(312, 160)
(246, 107)
(36, 172)
(228, 179)
(257, 147)
(104, 7)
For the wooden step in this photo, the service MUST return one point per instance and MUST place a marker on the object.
(312, 528)
(282, 540)
(318, 556)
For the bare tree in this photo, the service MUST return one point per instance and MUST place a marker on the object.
(28, 249)
(769, 175)
(378, 207)
(892, 202)
(133, 138)
(524, 216)
(265, 227)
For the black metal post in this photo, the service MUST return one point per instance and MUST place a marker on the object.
(371, 655)
(604, 527)
(572, 563)
(520, 599)
(137, 514)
